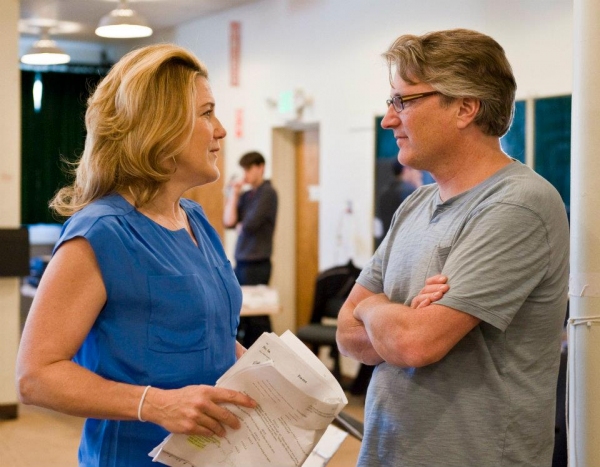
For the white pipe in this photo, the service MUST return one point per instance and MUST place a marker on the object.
(529, 132)
(584, 290)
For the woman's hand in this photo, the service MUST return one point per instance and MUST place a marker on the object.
(196, 410)
(435, 288)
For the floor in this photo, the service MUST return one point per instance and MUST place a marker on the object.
(40, 437)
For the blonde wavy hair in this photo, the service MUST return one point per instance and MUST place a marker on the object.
(460, 63)
(140, 115)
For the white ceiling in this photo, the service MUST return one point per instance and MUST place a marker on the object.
(77, 19)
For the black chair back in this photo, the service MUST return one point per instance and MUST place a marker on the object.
(332, 288)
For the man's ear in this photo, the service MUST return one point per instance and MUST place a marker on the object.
(467, 111)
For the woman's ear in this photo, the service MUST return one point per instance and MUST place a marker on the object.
(467, 111)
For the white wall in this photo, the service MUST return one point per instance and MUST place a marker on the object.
(331, 49)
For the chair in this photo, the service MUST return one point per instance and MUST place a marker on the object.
(350, 424)
(332, 288)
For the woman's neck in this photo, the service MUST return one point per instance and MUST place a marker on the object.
(165, 211)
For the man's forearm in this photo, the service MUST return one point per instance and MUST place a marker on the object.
(384, 327)
(353, 340)
(373, 329)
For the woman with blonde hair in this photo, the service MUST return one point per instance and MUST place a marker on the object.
(136, 315)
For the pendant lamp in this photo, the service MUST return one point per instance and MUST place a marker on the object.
(45, 52)
(123, 23)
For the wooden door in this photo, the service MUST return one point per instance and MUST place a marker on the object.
(211, 198)
(307, 221)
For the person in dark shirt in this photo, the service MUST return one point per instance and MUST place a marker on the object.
(406, 180)
(252, 213)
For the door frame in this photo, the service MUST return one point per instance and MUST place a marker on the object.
(284, 258)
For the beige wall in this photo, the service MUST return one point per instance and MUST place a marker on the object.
(10, 182)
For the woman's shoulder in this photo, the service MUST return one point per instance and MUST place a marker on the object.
(111, 205)
(102, 212)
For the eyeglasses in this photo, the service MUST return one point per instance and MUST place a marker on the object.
(399, 101)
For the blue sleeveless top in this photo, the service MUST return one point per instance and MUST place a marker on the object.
(169, 321)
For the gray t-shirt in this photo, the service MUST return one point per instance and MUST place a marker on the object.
(504, 246)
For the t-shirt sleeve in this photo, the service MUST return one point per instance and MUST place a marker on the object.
(495, 263)
(371, 276)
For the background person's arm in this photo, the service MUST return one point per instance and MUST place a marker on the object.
(230, 212)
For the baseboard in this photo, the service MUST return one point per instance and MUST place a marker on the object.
(9, 411)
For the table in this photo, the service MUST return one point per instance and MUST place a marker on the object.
(259, 300)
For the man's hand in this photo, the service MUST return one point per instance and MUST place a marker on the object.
(235, 185)
(435, 288)
(230, 214)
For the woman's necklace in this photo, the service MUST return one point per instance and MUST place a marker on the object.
(168, 222)
(177, 224)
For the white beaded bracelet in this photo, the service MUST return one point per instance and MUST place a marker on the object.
(142, 403)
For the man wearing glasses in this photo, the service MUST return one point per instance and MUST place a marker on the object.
(469, 377)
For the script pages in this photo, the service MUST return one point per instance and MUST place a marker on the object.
(297, 397)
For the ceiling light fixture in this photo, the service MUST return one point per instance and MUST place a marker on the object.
(123, 23)
(45, 52)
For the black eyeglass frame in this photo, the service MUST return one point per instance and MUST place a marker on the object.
(401, 100)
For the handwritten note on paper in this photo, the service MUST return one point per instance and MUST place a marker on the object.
(298, 398)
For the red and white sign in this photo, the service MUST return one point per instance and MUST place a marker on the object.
(239, 123)
(235, 40)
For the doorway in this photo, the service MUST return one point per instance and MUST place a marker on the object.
(296, 244)
(211, 197)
